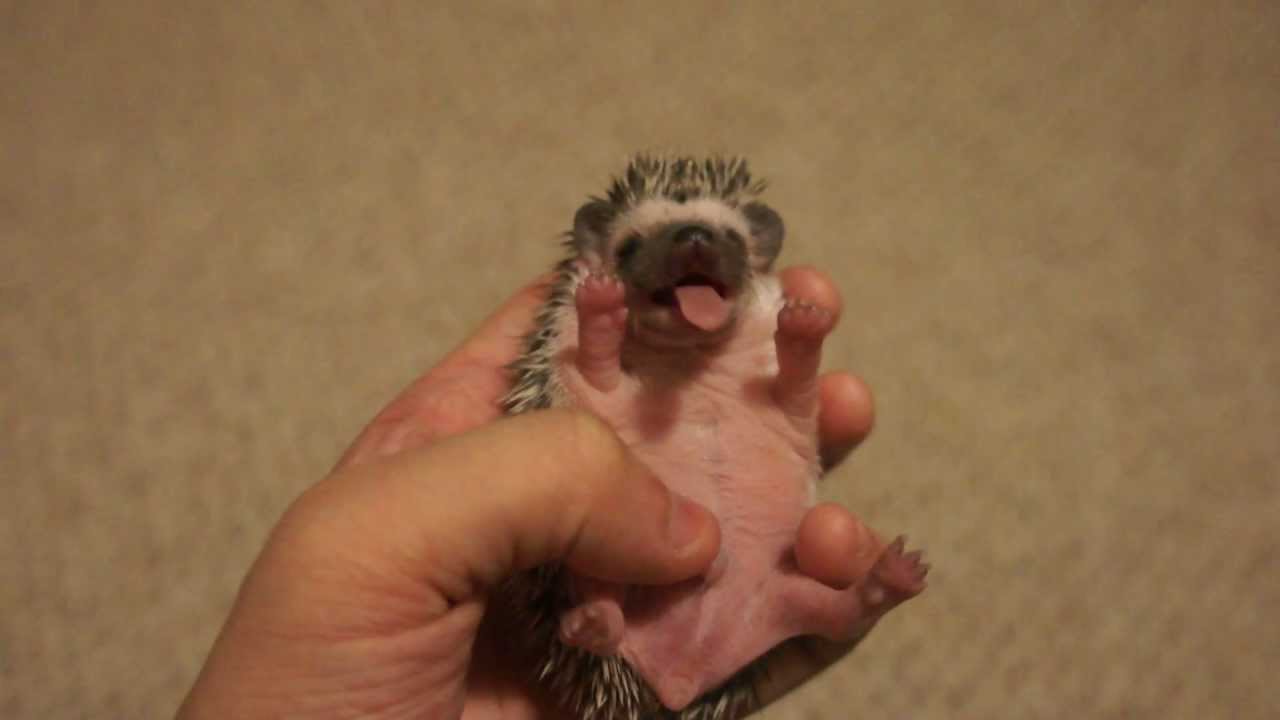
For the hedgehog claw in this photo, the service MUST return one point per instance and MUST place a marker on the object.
(902, 574)
(599, 293)
(803, 319)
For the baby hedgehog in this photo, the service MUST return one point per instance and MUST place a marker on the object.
(666, 322)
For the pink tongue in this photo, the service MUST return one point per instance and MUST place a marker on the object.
(702, 306)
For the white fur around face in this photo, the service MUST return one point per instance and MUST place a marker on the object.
(652, 214)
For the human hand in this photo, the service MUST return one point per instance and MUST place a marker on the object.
(371, 597)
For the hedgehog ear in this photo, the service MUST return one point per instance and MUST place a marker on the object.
(591, 227)
(768, 230)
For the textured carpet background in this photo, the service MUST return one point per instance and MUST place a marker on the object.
(229, 232)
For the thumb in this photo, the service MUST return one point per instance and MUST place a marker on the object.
(467, 511)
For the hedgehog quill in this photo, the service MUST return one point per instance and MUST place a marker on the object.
(666, 321)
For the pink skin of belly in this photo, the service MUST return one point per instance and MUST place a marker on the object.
(736, 430)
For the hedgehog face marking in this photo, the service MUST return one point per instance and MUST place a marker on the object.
(685, 245)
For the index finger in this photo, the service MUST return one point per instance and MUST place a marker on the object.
(461, 391)
(500, 338)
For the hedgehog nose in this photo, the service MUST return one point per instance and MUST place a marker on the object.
(692, 235)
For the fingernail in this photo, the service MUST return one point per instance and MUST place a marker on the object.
(687, 522)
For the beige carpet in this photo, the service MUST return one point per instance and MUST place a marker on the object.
(229, 232)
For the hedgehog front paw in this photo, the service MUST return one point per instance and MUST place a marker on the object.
(595, 626)
(802, 320)
(599, 294)
(602, 321)
(802, 325)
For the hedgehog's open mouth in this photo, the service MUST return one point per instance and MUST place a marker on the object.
(702, 300)
(667, 296)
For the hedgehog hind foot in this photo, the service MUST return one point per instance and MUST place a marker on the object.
(595, 626)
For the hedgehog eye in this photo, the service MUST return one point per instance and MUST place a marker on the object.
(629, 248)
